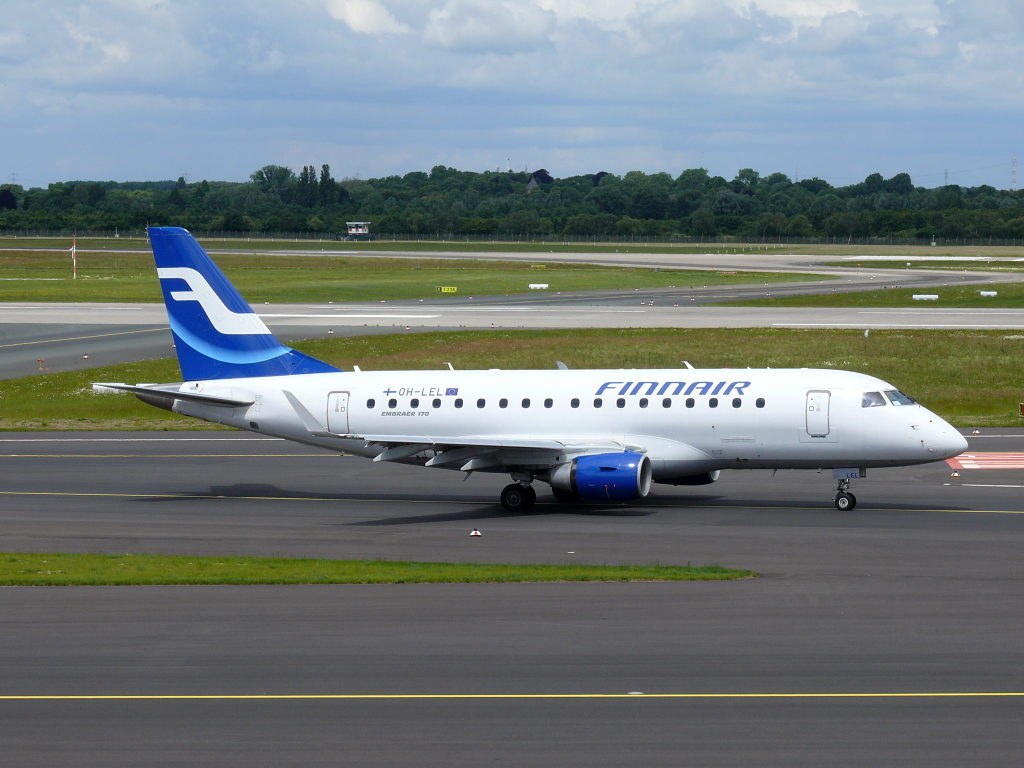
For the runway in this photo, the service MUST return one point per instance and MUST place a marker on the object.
(917, 592)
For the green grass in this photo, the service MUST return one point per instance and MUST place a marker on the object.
(972, 378)
(63, 569)
(129, 277)
(1011, 295)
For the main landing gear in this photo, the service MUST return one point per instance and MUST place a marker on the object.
(518, 497)
(845, 501)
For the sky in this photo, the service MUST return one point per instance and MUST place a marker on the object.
(838, 89)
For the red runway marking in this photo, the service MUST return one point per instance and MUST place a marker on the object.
(987, 461)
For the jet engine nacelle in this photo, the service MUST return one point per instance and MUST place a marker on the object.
(703, 478)
(605, 476)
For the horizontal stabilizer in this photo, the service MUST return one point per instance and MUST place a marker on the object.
(164, 395)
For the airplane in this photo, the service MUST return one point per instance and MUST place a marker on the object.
(591, 435)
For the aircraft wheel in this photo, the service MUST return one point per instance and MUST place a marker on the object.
(517, 497)
(845, 501)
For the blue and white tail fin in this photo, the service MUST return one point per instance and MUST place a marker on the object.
(216, 334)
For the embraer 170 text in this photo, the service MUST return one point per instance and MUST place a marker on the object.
(594, 435)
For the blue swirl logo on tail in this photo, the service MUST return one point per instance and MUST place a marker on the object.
(216, 333)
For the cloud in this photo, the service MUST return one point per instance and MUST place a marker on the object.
(394, 85)
(366, 17)
(489, 26)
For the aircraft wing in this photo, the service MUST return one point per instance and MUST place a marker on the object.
(471, 452)
(468, 452)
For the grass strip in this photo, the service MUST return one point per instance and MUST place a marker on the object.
(130, 277)
(969, 377)
(66, 569)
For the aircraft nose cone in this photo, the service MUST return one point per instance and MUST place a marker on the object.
(948, 443)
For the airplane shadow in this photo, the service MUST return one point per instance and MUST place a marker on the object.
(495, 511)
(261, 491)
(476, 509)
(485, 510)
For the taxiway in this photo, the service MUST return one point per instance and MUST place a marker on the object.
(890, 634)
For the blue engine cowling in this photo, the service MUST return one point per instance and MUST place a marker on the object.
(605, 476)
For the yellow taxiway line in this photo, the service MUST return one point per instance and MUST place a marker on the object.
(83, 338)
(508, 696)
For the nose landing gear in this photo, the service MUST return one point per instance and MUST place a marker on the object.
(844, 501)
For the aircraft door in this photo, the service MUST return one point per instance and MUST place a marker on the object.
(817, 412)
(337, 413)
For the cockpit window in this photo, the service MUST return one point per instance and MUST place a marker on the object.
(871, 400)
(898, 398)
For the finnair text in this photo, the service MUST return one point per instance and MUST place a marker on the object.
(673, 388)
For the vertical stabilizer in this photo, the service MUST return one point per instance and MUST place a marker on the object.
(216, 334)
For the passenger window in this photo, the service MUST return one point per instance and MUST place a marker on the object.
(414, 403)
(620, 403)
(575, 402)
(481, 403)
(392, 403)
(458, 402)
(712, 402)
(437, 402)
(872, 400)
(689, 402)
(597, 402)
(370, 403)
(526, 402)
(666, 403)
(898, 398)
(643, 402)
(503, 403)
(736, 402)
(759, 403)
(548, 402)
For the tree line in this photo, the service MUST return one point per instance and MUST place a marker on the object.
(447, 202)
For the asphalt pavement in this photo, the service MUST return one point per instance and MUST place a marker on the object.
(887, 635)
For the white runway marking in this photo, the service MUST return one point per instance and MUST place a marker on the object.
(987, 461)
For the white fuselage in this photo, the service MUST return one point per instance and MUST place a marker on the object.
(687, 421)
